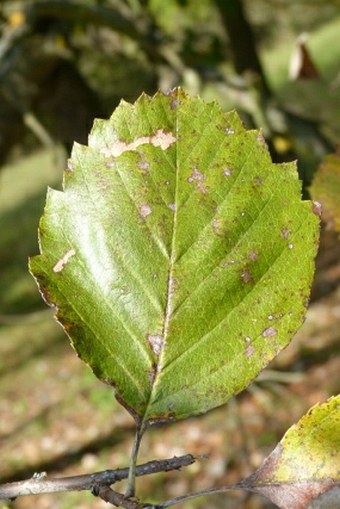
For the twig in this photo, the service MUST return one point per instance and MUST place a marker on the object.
(115, 498)
(189, 496)
(130, 490)
(40, 483)
(37, 128)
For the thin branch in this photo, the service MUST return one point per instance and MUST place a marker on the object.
(40, 483)
(203, 493)
(37, 128)
(118, 499)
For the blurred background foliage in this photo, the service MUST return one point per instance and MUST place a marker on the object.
(65, 62)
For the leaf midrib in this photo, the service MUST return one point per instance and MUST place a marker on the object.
(167, 313)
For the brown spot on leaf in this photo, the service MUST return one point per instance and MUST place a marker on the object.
(196, 176)
(253, 255)
(249, 351)
(152, 374)
(285, 233)
(204, 189)
(317, 208)
(63, 261)
(246, 276)
(174, 104)
(270, 332)
(156, 342)
(143, 165)
(145, 210)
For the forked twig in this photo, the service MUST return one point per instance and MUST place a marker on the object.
(40, 483)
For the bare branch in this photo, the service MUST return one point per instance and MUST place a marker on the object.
(39, 483)
(115, 498)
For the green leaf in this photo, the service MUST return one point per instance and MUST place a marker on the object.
(179, 257)
(306, 463)
(326, 190)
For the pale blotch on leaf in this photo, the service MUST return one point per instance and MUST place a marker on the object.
(227, 172)
(269, 333)
(285, 233)
(156, 343)
(253, 255)
(246, 276)
(202, 188)
(290, 246)
(172, 206)
(145, 210)
(249, 351)
(63, 261)
(160, 139)
(143, 165)
(196, 176)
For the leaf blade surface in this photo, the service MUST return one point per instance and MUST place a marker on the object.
(191, 255)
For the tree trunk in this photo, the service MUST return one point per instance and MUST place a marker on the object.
(242, 40)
